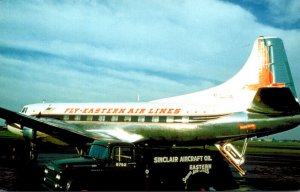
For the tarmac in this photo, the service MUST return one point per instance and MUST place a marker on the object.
(265, 172)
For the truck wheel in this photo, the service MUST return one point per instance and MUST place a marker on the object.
(199, 181)
(73, 185)
(69, 185)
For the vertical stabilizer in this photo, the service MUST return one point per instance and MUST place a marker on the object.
(267, 66)
(273, 68)
(279, 64)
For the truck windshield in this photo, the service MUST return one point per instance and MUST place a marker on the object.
(98, 152)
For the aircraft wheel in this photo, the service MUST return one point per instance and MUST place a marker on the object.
(31, 153)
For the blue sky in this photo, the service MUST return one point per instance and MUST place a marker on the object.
(112, 51)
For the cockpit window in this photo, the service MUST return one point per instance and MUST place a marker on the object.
(24, 110)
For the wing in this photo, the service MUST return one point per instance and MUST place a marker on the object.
(70, 133)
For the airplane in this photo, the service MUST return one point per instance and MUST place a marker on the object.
(259, 100)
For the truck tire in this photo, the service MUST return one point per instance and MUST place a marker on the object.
(74, 185)
(69, 185)
(198, 182)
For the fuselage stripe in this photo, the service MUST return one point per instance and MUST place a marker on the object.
(124, 118)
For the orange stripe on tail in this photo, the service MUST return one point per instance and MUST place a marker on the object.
(266, 78)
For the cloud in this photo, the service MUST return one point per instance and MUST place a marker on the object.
(164, 39)
(284, 12)
(114, 50)
(280, 13)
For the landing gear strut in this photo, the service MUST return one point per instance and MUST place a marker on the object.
(233, 156)
(31, 144)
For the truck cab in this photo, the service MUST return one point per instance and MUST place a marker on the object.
(125, 166)
(106, 161)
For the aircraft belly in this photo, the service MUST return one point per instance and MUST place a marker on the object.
(142, 132)
(233, 127)
(276, 124)
(163, 132)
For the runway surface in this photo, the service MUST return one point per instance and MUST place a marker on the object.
(268, 171)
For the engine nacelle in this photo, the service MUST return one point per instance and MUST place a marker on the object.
(29, 133)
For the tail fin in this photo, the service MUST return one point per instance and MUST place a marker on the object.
(272, 64)
(267, 66)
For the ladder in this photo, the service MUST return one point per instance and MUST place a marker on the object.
(233, 156)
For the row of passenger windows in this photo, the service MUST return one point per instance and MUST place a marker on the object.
(111, 118)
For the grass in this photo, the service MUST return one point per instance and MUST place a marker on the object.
(283, 147)
(6, 134)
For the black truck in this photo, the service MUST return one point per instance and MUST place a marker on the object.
(125, 166)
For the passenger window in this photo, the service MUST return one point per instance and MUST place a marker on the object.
(155, 119)
(185, 119)
(162, 119)
(170, 119)
(114, 118)
(121, 119)
(77, 117)
(101, 118)
(178, 119)
(71, 117)
(89, 118)
(127, 118)
(108, 118)
(148, 119)
(58, 117)
(122, 154)
(141, 119)
(134, 119)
